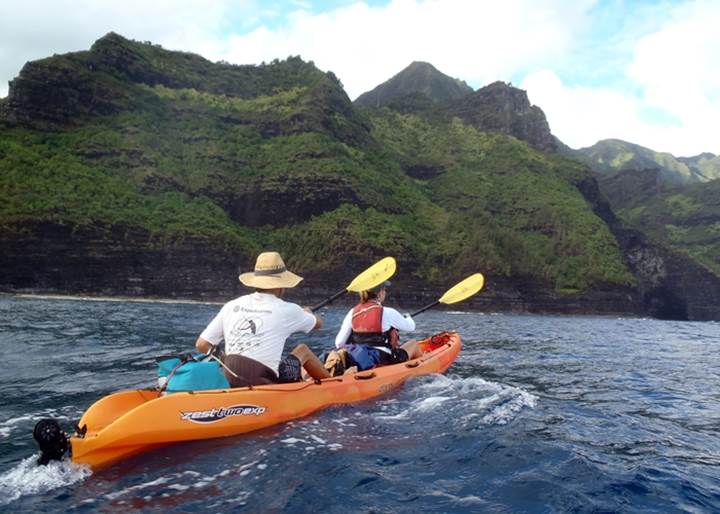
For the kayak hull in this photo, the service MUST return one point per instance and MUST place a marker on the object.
(130, 422)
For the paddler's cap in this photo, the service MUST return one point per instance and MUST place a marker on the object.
(380, 287)
(270, 273)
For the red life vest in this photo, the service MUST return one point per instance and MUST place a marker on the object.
(366, 324)
(367, 317)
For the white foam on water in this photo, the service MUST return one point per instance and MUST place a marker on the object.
(28, 478)
(462, 501)
(293, 440)
(314, 435)
(8, 426)
(468, 401)
(178, 482)
(139, 487)
(505, 412)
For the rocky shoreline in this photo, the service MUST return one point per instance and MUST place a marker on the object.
(122, 262)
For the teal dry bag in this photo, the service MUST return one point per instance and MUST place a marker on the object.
(189, 373)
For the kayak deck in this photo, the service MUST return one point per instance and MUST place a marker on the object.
(131, 422)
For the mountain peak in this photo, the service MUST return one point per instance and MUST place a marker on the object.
(420, 66)
(417, 78)
(501, 107)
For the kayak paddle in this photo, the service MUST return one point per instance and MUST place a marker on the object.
(371, 277)
(458, 292)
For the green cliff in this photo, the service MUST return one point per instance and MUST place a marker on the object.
(131, 169)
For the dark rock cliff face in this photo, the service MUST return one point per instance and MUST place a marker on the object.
(281, 199)
(122, 261)
(502, 108)
(117, 261)
(671, 285)
(49, 91)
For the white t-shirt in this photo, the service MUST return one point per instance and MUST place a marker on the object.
(390, 319)
(257, 325)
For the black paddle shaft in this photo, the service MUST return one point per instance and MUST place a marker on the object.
(428, 306)
(328, 300)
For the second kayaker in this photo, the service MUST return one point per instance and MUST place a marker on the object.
(255, 327)
(369, 332)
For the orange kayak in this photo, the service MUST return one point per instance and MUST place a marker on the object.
(131, 422)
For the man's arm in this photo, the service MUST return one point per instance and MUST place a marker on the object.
(213, 332)
(203, 345)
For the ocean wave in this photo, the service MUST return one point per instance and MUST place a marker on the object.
(28, 478)
(10, 425)
(464, 402)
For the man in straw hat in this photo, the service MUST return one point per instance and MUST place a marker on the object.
(255, 327)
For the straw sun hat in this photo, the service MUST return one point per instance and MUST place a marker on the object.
(270, 273)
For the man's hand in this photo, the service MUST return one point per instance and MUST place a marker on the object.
(318, 319)
(394, 337)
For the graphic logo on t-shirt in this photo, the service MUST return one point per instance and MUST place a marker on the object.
(243, 334)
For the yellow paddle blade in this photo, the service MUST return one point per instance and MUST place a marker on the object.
(464, 289)
(374, 275)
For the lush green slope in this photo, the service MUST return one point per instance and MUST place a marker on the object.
(247, 157)
(515, 210)
(686, 218)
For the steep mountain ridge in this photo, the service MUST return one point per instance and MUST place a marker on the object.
(615, 155)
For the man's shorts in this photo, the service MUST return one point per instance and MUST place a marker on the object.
(251, 372)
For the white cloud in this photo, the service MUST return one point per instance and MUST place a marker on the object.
(675, 72)
(479, 42)
(580, 116)
(678, 69)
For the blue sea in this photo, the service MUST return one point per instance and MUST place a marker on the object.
(538, 414)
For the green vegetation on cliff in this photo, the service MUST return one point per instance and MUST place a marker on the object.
(515, 209)
(247, 157)
(685, 218)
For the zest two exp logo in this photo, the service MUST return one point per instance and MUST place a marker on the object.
(219, 413)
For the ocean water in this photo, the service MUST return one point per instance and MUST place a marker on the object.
(538, 414)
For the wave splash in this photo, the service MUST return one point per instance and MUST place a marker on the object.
(465, 403)
(28, 478)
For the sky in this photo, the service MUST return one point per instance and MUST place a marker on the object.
(644, 71)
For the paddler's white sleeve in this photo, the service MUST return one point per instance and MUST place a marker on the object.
(298, 319)
(393, 319)
(344, 334)
(214, 332)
